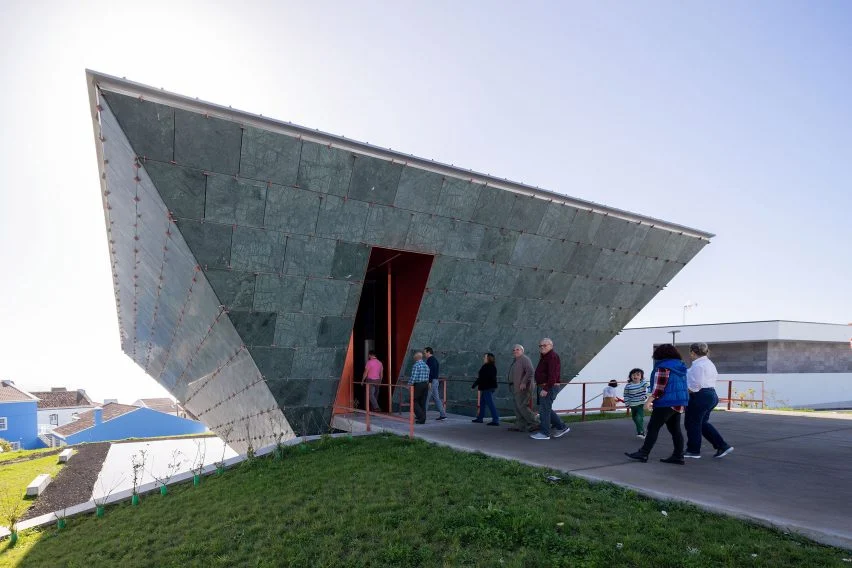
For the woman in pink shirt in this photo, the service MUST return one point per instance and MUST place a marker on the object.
(373, 374)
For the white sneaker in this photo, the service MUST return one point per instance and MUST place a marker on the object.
(691, 455)
(539, 436)
(640, 436)
(560, 433)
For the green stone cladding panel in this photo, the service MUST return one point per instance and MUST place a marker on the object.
(173, 323)
(282, 228)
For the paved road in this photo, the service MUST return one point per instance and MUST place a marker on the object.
(793, 472)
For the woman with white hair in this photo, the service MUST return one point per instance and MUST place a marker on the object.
(701, 382)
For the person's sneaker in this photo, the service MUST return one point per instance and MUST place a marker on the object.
(560, 433)
(441, 418)
(638, 456)
(477, 420)
(640, 436)
(692, 455)
(723, 453)
(492, 423)
(673, 459)
(539, 436)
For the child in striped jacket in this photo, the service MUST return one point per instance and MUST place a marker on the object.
(635, 394)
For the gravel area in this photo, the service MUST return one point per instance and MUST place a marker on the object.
(74, 483)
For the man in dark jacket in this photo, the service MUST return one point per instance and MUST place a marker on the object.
(434, 383)
(547, 375)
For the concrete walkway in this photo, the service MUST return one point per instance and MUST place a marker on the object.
(792, 472)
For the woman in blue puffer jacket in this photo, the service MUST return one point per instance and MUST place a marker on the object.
(669, 397)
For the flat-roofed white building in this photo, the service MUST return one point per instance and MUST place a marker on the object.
(801, 364)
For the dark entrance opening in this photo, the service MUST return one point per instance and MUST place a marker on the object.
(390, 299)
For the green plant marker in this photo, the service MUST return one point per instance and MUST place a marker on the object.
(60, 524)
(99, 512)
(220, 470)
(196, 479)
(303, 447)
(135, 499)
(164, 490)
(13, 538)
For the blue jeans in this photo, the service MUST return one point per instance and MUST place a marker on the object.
(547, 417)
(487, 399)
(435, 394)
(697, 421)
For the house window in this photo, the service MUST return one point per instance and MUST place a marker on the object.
(3, 424)
(54, 419)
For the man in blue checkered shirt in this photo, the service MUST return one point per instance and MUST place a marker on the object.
(420, 379)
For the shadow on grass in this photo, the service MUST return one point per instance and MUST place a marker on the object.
(388, 501)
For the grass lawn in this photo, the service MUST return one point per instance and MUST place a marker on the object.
(17, 454)
(14, 479)
(387, 501)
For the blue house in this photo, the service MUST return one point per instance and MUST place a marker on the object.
(18, 417)
(119, 421)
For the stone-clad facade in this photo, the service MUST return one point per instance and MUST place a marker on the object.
(239, 247)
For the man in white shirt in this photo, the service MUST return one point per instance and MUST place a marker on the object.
(701, 382)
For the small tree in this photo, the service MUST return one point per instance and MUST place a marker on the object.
(277, 435)
(105, 492)
(60, 518)
(171, 469)
(137, 467)
(12, 507)
(226, 437)
(198, 462)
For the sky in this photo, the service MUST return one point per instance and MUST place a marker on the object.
(729, 117)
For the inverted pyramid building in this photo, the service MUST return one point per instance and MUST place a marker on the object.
(255, 261)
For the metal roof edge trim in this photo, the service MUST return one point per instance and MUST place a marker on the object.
(131, 88)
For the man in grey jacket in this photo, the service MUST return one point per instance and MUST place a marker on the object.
(521, 381)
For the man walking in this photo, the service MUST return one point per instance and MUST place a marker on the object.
(547, 374)
(701, 382)
(420, 379)
(521, 381)
(434, 383)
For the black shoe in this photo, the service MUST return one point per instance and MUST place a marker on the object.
(477, 420)
(722, 453)
(492, 423)
(420, 422)
(441, 418)
(638, 456)
(673, 459)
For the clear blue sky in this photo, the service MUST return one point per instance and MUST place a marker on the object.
(732, 117)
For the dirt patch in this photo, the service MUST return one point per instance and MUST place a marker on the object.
(74, 483)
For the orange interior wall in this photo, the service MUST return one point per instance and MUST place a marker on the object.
(344, 388)
(410, 274)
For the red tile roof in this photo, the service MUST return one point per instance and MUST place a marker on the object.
(62, 399)
(10, 393)
(160, 404)
(87, 419)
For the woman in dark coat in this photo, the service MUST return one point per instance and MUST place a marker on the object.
(487, 383)
(669, 397)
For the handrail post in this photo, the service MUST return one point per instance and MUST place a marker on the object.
(730, 392)
(367, 405)
(478, 396)
(762, 396)
(411, 411)
(444, 382)
(583, 419)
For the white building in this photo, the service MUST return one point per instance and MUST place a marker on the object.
(800, 364)
(60, 406)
